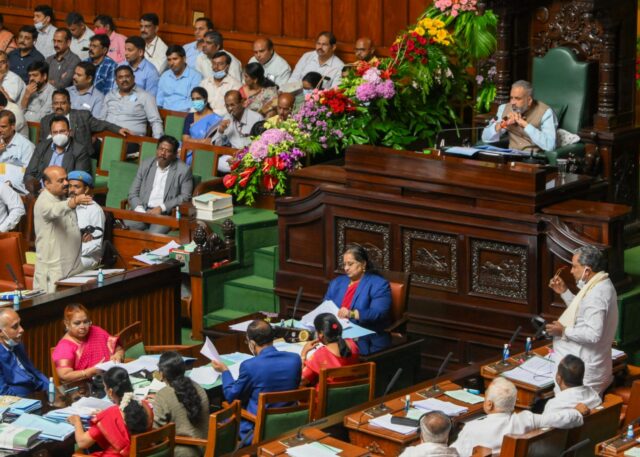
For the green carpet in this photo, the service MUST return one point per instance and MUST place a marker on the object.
(186, 337)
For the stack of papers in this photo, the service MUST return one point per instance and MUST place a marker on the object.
(433, 404)
(385, 422)
(17, 438)
(85, 408)
(537, 371)
(327, 306)
(315, 449)
(25, 405)
(6, 400)
(143, 392)
(295, 348)
(143, 363)
(159, 255)
(205, 375)
(616, 353)
(464, 396)
(55, 431)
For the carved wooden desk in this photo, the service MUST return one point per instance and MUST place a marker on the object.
(275, 448)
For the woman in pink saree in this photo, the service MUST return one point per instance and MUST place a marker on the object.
(336, 352)
(111, 429)
(83, 346)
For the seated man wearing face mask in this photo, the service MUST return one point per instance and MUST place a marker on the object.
(18, 376)
(59, 150)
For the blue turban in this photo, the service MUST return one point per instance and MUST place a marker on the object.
(79, 175)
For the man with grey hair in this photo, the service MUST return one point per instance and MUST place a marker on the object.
(434, 432)
(499, 403)
(587, 327)
(530, 123)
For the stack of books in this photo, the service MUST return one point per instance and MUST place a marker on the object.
(25, 405)
(17, 438)
(54, 431)
(213, 206)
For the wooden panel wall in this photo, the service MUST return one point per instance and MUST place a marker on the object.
(292, 24)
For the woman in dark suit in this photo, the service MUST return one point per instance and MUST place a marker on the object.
(362, 295)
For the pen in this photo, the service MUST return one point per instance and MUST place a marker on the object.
(563, 267)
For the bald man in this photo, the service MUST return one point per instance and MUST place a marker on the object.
(275, 67)
(58, 239)
(364, 49)
(284, 108)
(18, 376)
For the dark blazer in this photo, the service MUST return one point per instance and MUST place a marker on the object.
(372, 299)
(18, 381)
(76, 157)
(177, 190)
(82, 125)
(270, 371)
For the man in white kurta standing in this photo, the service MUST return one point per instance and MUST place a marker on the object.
(58, 238)
(587, 327)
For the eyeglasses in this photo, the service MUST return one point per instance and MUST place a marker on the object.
(86, 322)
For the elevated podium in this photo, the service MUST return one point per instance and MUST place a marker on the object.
(480, 239)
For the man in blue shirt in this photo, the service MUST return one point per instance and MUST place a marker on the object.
(105, 66)
(175, 85)
(145, 73)
(83, 93)
(18, 376)
(26, 54)
(269, 371)
(201, 26)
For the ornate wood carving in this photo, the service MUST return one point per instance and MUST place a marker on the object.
(574, 27)
(378, 246)
(431, 258)
(499, 269)
(625, 171)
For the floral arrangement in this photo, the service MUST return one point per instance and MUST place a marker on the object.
(265, 164)
(455, 7)
(485, 85)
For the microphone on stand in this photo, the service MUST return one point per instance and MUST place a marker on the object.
(300, 438)
(381, 409)
(15, 279)
(435, 390)
(514, 336)
(295, 305)
(442, 144)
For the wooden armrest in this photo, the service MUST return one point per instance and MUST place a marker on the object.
(248, 416)
(102, 172)
(180, 348)
(481, 451)
(100, 190)
(189, 441)
(124, 204)
(397, 324)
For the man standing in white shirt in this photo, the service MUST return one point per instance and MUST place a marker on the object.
(43, 20)
(81, 35)
(161, 184)
(323, 60)
(156, 48)
(213, 44)
(220, 82)
(201, 26)
(587, 327)
(11, 208)
(434, 432)
(90, 219)
(275, 67)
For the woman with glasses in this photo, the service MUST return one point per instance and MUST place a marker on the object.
(83, 346)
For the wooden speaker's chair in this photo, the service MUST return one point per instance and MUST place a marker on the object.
(158, 442)
(344, 387)
(271, 421)
(537, 443)
(600, 425)
(399, 282)
(631, 404)
(224, 427)
(562, 82)
(12, 254)
(132, 340)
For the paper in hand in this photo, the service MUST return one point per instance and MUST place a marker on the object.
(209, 350)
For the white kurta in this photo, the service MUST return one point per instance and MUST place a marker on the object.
(488, 431)
(592, 335)
(560, 412)
(430, 450)
(58, 241)
(91, 250)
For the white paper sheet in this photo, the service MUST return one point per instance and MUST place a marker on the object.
(385, 422)
(204, 375)
(209, 350)
(73, 280)
(433, 404)
(315, 449)
(327, 306)
(95, 403)
(131, 367)
(235, 370)
(240, 326)
(164, 250)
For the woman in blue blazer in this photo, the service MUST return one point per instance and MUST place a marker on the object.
(363, 296)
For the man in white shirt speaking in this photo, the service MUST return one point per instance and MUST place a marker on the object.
(90, 219)
(587, 327)
(161, 184)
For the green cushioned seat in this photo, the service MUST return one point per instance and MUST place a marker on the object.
(148, 150)
(111, 151)
(341, 398)
(222, 315)
(174, 125)
(203, 164)
(119, 181)
(34, 133)
(277, 424)
(563, 83)
(135, 351)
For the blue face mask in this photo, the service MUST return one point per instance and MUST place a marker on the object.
(307, 91)
(198, 105)
(10, 342)
(219, 74)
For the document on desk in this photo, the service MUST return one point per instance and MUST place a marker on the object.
(537, 371)
(327, 306)
(209, 350)
(75, 280)
(204, 375)
(433, 404)
(616, 354)
(633, 452)
(385, 422)
(315, 449)
(464, 396)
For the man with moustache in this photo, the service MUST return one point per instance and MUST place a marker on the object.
(175, 85)
(201, 26)
(144, 72)
(58, 239)
(26, 54)
(81, 35)
(105, 66)
(91, 215)
(156, 49)
(36, 98)
(275, 67)
(162, 183)
(364, 50)
(323, 60)
(84, 96)
(220, 83)
(63, 62)
(213, 45)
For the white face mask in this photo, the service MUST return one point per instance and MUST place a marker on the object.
(60, 139)
(39, 26)
(581, 282)
(10, 342)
